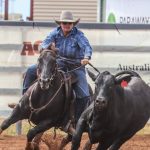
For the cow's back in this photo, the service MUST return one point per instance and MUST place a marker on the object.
(136, 109)
(137, 93)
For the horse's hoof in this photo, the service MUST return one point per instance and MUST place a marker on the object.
(32, 146)
(36, 146)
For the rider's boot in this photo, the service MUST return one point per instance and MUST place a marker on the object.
(70, 125)
(12, 105)
(80, 105)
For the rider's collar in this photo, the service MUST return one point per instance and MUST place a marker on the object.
(73, 31)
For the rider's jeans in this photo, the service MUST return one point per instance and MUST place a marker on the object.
(30, 77)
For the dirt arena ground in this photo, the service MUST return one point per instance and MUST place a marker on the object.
(9, 140)
(138, 142)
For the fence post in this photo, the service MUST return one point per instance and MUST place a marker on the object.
(19, 127)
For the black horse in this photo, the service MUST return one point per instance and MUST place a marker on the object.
(44, 103)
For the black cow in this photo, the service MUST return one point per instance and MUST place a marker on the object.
(117, 113)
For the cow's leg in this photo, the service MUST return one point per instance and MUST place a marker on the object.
(102, 146)
(105, 143)
(78, 134)
(41, 127)
(65, 141)
(16, 115)
(117, 144)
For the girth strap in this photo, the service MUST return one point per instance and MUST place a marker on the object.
(68, 88)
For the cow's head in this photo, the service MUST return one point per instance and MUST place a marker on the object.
(104, 85)
(46, 68)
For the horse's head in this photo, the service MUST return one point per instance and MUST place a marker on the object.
(47, 68)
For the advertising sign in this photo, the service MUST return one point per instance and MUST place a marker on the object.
(128, 11)
(112, 52)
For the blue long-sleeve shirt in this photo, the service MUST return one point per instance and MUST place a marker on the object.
(75, 45)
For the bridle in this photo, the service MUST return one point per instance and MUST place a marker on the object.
(54, 71)
(32, 109)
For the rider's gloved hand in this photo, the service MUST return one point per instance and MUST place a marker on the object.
(84, 61)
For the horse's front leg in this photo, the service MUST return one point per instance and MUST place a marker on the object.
(40, 128)
(80, 128)
(16, 115)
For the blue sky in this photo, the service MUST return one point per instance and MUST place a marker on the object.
(20, 6)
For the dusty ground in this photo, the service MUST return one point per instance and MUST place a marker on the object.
(8, 140)
(138, 142)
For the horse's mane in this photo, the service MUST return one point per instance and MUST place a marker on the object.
(52, 51)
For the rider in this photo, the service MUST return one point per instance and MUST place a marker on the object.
(71, 44)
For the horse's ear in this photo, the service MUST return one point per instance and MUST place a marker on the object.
(53, 48)
(56, 50)
(91, 75)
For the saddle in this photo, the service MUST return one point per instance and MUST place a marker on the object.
(69, 79)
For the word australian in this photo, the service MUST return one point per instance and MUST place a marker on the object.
(144, 67)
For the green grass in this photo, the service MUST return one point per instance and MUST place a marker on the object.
(26, 126)
(12, 129)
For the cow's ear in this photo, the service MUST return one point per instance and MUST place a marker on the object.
(91, 75)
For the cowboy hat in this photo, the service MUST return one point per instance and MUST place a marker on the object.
(67, 16)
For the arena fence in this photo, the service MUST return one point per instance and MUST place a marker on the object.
(116, 47)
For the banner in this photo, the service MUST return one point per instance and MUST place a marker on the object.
(128, 11)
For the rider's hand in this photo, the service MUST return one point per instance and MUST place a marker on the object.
(84, 61)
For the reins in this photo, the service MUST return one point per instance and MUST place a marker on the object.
(32, 109)
(94, 67)
(73, 61)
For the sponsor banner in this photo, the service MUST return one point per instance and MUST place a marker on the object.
(129, 50)
(128, 11)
